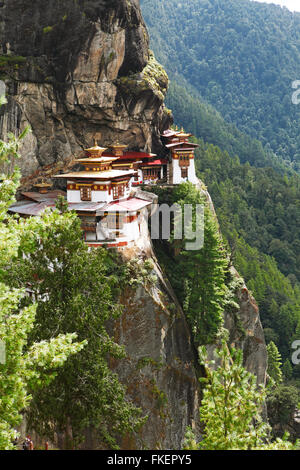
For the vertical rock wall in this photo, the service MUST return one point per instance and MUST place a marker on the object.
(78, 69)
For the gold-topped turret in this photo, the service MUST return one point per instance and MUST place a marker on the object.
(95, 151)
(43, 187)
(183, 135)
(117, 149)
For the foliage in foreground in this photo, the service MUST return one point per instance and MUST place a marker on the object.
(23, 368)
(76, 289)
(197, 276)
(232, 406)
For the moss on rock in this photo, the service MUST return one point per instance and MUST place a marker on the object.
(153, 77)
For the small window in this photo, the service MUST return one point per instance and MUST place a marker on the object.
(184, 160)
(85, 193)
(118, 190)
(184, 172)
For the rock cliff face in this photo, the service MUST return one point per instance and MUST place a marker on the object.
(246, 332)
(161, 370)
(78, 69)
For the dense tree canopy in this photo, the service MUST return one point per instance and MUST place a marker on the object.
(203, 120)
(258, 212)
(241, 57)
(220, 52)
(76, 289)
(25, 366)
(259, 204)
(231, 408)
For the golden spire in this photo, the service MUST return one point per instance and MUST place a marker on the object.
(95, 151)
(43, 187)
(118, 149)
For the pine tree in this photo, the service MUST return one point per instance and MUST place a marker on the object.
(231, 407)
(77, 290)
(287, 370)
(274, 363)
(203, 272)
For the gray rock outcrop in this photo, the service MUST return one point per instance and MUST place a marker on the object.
(78, 69)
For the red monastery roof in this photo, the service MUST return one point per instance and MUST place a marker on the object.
(39, 197)
(26, 207)
(182, 144)
(156, 162)
(128, 205)
(132, 155)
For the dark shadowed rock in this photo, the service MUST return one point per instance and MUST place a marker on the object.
(76, 69)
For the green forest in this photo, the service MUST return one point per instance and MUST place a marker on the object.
(231, 65)
(145, 341)
(203, 120)
(258, 212)
(255, 196)
(241, 57)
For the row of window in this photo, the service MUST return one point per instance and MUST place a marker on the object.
(151, 172)
(184, 160)
(117, 190)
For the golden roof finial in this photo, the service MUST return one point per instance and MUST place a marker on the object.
(95, 151)
(43, 186)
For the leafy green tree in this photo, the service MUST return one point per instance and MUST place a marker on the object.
(287, 370)
(231, 407)
(76, 289)
(282, 403)
(198, 276)
(274, 364)
(23, 368)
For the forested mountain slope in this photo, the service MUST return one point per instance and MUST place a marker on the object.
(203, 120)
(207, 49)
(241, 56)
(258, 211)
